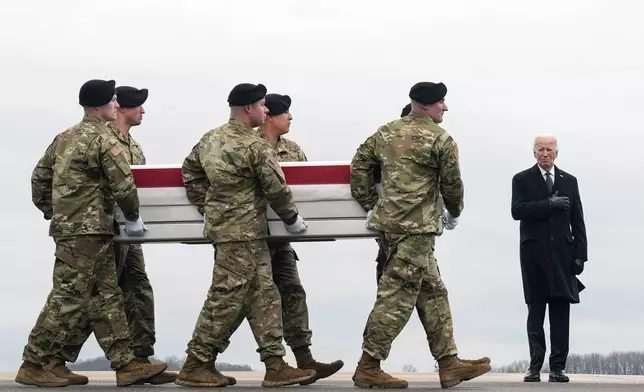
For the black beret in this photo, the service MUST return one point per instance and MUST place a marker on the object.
(427, 92)
(130, 97)
(406, 110)
(96, 92)
(246, 94)
(277, 104)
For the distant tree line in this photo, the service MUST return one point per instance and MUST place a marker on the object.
(409, 368)
(174, 364)
(627, 363)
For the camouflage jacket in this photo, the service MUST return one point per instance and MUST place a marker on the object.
(133, 150)
(419, 162)
(287, 150)
(241, 175)
(79, 178)
(195, 180)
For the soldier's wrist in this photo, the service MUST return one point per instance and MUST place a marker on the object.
(132, 217)
(291, 220)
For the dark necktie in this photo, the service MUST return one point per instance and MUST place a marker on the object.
(549, 181)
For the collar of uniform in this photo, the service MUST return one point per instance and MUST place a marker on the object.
(260, 132)
(93, 119)
(239, 126)
(117, 132)
(420, 116)
(279, 146)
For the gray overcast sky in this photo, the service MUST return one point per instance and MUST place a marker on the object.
(513, 69)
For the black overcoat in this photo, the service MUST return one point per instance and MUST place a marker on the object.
(550, 240)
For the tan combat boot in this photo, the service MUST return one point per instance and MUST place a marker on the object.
(195, 373)
(36, 375)
(134, 372)
(159, 379)
(59, 369)
(279, 373)
(322, 370)
(231, 380)
(477, 361)
(452, 371)
(369, 375)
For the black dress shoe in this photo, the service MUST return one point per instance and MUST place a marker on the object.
(558, 376)
(532, 376)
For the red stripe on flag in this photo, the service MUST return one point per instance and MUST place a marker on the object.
(317, 175)
(157, 177)
(295, 175)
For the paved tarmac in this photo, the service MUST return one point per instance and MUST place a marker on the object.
(251, 382)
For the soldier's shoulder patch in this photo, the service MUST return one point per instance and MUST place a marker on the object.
(116, 149)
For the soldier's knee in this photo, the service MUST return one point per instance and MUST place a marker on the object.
(408, 273)
(392, 284)
(435, 289)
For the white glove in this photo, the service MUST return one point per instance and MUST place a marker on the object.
(298, 227)
(368, 223)
(449, 222)
(135, 228)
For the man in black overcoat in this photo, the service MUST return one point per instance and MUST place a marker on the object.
(553, 251)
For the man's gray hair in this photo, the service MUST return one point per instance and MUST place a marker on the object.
(546, 136)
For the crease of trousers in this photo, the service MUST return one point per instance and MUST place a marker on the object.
(559, 318)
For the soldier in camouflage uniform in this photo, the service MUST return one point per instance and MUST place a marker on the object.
(244, 177)
(295, 315)
(138, 297)
(419, 161)
(76, 184)
(382, 257)
(440, 207)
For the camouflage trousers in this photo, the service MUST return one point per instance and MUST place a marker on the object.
(138, 300)
(242, 281)
(410, 279)
(295, 312)
(381, 260)
(84, 292)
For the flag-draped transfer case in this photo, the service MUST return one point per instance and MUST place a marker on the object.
(321, 192)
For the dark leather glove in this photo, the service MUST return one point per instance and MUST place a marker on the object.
(559, 202)
(578, 266)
